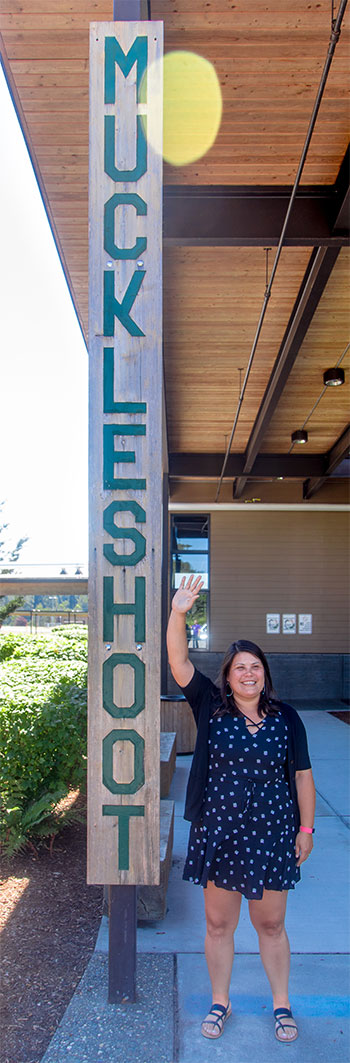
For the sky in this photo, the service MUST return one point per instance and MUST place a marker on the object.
(43, 373)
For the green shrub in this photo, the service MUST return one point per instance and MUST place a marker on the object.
(43, 695)
(8, 644)
(68, 643)
(38, 821)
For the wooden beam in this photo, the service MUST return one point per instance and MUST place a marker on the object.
(333, 459)
(314, 282)
(42, 585)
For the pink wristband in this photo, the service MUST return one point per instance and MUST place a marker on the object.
(307, 830)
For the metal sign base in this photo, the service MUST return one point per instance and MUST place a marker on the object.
(122, 945)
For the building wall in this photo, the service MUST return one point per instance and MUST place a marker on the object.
(279, 562)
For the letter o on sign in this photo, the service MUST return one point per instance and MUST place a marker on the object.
(107, 761)
(138, 667)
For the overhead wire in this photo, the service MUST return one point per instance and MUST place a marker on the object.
(334, 37)
(324, 389)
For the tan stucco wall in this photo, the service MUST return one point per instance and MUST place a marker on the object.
(279, 562)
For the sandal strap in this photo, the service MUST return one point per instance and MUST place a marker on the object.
(284, 1013)
(215, 1008)
(219, 1007)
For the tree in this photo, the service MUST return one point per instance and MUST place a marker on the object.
(8, 556)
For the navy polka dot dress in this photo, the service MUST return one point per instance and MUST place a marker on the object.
(246, 839)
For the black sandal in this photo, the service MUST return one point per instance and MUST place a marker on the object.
(279, 1015)
(220, 1014)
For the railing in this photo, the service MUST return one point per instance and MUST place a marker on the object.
(37, 618)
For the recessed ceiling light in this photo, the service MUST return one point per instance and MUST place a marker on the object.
(333, 378)
(299, 436)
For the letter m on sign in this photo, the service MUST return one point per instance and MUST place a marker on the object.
(115, 54)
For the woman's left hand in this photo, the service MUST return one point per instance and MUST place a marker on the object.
(303, 846)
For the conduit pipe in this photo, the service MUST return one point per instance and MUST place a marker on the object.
(334, 37)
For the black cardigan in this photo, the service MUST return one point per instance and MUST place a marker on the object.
(204, 698)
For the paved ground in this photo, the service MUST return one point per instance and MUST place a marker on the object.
(173, 986)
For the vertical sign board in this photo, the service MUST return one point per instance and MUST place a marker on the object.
(125, 451)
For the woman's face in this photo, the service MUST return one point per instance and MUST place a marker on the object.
(246, 677)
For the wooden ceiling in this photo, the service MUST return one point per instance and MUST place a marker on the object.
(209, 330)
(269, 56)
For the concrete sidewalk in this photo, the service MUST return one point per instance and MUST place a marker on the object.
(173, 985)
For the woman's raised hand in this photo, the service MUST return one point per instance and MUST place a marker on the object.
(186, 594)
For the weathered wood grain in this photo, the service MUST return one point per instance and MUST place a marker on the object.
(137, 378)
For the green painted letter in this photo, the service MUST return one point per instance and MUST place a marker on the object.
(112, 309)
(113, 457)
(127, 711)
(124, 533)
(141, 150)
(112, 608)
(123, 812)
(136, 54)
(130, 199)
(107, 762)
(109, 405)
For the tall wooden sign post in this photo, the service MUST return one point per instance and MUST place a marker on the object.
(125, 457)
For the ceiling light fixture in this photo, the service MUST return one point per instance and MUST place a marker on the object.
(334, 377)
(299, 436)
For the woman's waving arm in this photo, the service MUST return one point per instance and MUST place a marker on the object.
(181, 667)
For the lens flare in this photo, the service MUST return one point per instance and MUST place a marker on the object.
(192, 107)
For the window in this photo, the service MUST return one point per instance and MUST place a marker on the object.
(190, 555)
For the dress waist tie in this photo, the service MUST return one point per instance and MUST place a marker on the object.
(250, 790)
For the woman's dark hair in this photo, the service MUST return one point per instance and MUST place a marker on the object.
(269, 700)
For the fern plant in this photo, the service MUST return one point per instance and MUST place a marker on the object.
(41, 819)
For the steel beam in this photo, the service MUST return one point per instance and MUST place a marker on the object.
(223, 215)
(333, 459)
(131, 10)
(341, 197)
(206, 466)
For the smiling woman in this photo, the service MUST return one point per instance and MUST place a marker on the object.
(246, 677)
(251, 803)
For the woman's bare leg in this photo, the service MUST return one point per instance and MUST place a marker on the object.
(222, 908)
(267, 916)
